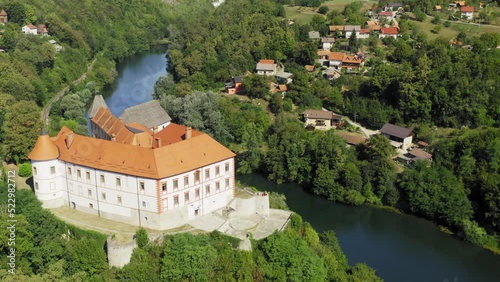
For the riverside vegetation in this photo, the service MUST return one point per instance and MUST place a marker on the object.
(428, 85)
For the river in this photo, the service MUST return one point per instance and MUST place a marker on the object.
(400, 247)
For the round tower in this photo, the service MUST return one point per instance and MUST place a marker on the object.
(47, 172)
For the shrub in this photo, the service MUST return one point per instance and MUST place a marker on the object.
(141, 237)
(447, 24)
(25, 169)
(323, 10)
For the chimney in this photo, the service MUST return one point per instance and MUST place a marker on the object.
(113, 137)
(155, 129)
(188, 133)
(69, 140)
(158, 142)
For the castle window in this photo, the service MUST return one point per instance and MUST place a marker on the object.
(118, 182)
(36, 185)
(197, 193)
(217, 170)
(52, 170)
(207, 189)
(164, 187)
(90, 193)
(227, 167)
(102, 178)
(34, 170)
(186, 181)
(217, 186)
(186, 197)
(227, 183)
(69, 171)
(79, 174)
(141, 184)
(120, 200)
(103, 195)
(143, 204)
(176, 184)
(207, 173)
(87, 174)
(197, 176)
(91, 206)
(176, 200)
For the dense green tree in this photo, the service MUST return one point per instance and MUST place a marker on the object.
(257, 86)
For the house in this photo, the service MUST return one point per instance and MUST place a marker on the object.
(389, 16)
(467, 12)
(392, 7)
(266, 67)
(459, 3)
(334, 29)
(438, 8)
(350, 29)
(327, 43)
(309, 68)
(389, 32)
(29, 29)
(314, 35)
(335, 59)
(236, 86)
(182, 174)
(321, 119)
(413, 156)
(332, 73)
(4, 18)
(373, 25)
(150, 114)
(323, 54)
(351, 62)
(364, 33)
(351, 139)
(399, 137)
(284, 77)
(42, 30)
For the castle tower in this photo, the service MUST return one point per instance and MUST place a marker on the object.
(48, 172)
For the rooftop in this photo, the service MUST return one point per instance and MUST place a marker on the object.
(394, 130)
(149, 114)
(98, 99)
(320, 114)
(389, 30)
(420, 155)
(467, 9)
(44, 149)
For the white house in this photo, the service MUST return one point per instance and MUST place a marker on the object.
(386, 15)
(266, 67)
(29, 29)
(183, 174)
(467, 12)
(389, 32)
(399, 137)
(335, 59)
(350, 29)
(327, 43)
(364, 33)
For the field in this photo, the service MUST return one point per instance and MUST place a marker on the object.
(452, 31)
(304, 15)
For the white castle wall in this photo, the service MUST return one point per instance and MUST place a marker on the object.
(119, 254)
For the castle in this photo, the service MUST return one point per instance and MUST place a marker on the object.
(132, 172)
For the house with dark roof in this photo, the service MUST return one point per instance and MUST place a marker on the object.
(319, 119)
(350, 29)
(4, 18)
(327, 43)
(314, 35)
(414, 155)
(151, 114)
(42, 30)
(235, 86)
(400, 137)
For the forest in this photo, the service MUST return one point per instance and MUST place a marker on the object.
(428, 85)
(32, 71)
(48, 249)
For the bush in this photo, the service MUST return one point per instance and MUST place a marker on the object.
(472, 232)
(142, 238)
(25, 170)
(277, 201)
(323, 10)
(447, 24)
(436, 20)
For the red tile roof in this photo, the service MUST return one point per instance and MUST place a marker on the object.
(266, 61)
(467, 9)
(389, 30)
(385, 14)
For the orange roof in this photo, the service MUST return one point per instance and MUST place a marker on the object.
(351, 59)
(282, 87)
(389, 30)
(124, 134)
(335, 27)
(44, 149)
(30, 26)
(323, 53)
(336, 56)
(174, 133)
(3, 13)
(364, 31)
(438, 7)
(266, 61)
(169, 160)
(309, 67)
(467, 9)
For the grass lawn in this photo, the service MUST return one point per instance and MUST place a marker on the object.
(452, 31)
(304, 15)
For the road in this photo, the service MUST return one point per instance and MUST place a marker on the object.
(46, 109)
(367, 132)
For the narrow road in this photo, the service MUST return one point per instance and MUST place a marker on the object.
(46, 109)
(367, 132)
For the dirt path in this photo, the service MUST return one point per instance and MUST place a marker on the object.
(367, 132)
(46, 109)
